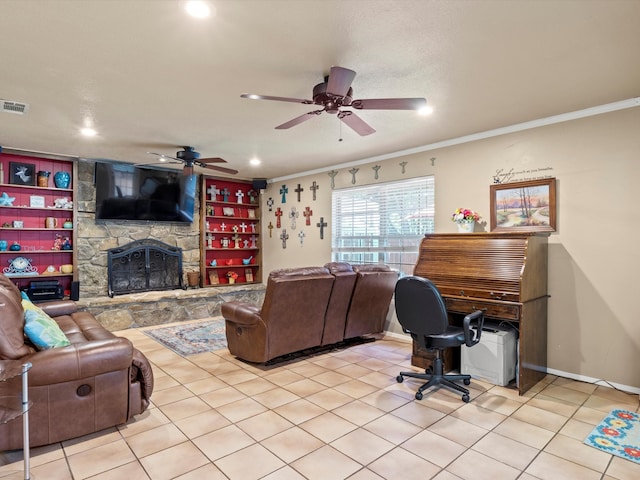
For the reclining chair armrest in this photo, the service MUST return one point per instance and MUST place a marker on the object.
(58, 308)
(79, 360)
(241, 313)
(466, 325)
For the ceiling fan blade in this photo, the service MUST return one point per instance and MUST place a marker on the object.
(389, 104)
(219, 169)
(212, 160)
(166, 158)
(340, 80)
(299, 120)
(277, 99)
(356, 123)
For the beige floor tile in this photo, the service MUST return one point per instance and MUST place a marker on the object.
(565, 393)
(254, 387)
(497, 403)
(616, 395)
(237, 376)
(55, 470)
(479, 416)
(331, 379)
(275, 397)
(305, 387)
(329, 362)
(299, 411)
(365, 474)
(222, 396)
(326, 463)
(589, 415)
(162, 382)
(355, 388)
(171, 394)
(130, 470)
(100, 459)
(208, 472)
(152, 441)
(400, 464)
(173, 462)
(284, 473)
(554, 405)
(524, 432)
(354, 371)
(329, 399)
(250, 463)
(506, 450)
(472, 465)
(375, 364)
(202, 423)
(549, 467)
(385, 401)
(328, 427)
(418, 414)
(584, 387)
(539, 417)
(605, 403)
(393, 428)
(282, 377)
(623, 469)
(92, 440)
(358, 412)
(379, 379)
(434, 448)
(576, 429)
(577, 452)
(458, 430)
(292, 444)
(444, 475)
(307, 369)
(264, 425)
(184, 408)
(223, 441)
(148, 420)
(205, 385)
(241, 409)
(363, 446)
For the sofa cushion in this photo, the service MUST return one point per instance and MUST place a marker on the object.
(12, 345)
(43, 331)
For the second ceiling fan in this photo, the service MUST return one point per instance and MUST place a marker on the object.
(334, 94)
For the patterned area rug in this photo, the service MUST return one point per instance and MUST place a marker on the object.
(191, 338)
(618, 434)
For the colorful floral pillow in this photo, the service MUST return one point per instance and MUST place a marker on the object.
(42, 330)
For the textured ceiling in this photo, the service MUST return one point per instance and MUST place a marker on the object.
(150, 78)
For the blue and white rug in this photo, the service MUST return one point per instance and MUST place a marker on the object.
(191, 338)
(618, 434)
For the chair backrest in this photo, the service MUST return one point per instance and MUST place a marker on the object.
(336, 317)
(419, 307)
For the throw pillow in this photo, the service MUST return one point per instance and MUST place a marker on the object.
(42, 330)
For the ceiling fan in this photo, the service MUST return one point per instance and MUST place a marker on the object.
(334, 94)
(189, 157)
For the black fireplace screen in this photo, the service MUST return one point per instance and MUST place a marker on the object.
(144, 265)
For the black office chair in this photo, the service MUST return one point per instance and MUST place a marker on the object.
(422, 314)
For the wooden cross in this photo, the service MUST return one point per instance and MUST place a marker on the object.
(301, 236)
(243, 227)
(293, 215)
(235, 229)
(253, 227)
(403, 164)
(299, 190)
(236, 239)
(284, 236)
(283, 191)
(314, 186)
(253, 238)
(278, 215)
(270, 204)
(375, 169)
(213, 191)
(245, 243)
(239, 195)
(223, 227)
(225, 194)
(307, 213)
(353, 172)
(321, 224)
(210, 239)
(270, 227)
(333, 174)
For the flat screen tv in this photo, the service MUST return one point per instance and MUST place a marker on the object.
(133, 193)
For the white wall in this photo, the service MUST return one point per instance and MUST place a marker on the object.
(594, 325)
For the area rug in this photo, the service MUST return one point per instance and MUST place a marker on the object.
(618, 434)
(191, 338)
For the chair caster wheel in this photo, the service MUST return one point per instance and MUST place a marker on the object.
(429, 370)
(465, 398)
(399, 379)
(418, 395)
(466, 381)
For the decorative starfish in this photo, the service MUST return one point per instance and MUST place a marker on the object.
(6, 200)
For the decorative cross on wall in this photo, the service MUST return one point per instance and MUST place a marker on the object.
(236, 239)
(283, 191)
(235, 229)
(245, 243)
(278, 214)
(225, 242)
(213, 191)
(284, 236)
(353, 172)
(403, 164)
(225, 194)
(210, 239)
(314, 186)
(252, 195)
(321, 224)
(223, 227)
(243, 227)
(375, 169)
(239, 195)
(299, 190)
(333, 174)
(293, 215)
(307, 213)
(270, 204)
(253, 227)
(253, 238)
(270, 227)
(301, 236)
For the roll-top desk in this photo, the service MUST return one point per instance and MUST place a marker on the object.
(504, 274)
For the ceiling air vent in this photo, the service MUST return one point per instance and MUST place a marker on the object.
(14, 107)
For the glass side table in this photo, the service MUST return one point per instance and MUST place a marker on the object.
(12, 407)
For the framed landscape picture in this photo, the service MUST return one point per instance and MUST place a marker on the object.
(22, 173)
(524, 206)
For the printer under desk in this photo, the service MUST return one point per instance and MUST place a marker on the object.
(494, 358)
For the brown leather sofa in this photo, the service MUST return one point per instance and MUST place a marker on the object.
(310, 307)
(97, 382)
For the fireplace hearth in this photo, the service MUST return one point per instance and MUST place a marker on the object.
(144, 265)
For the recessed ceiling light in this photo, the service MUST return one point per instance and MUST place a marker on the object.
(255, 161)
(198, 9)
(88, 132)
(428, 110)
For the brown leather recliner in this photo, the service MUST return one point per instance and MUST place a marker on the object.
(338, 308)
(97, 382)
(291, 317)
(370, 301)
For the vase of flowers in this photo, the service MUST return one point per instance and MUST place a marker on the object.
(465, 219)
(232, 276)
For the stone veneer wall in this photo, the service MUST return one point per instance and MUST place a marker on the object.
(148, 308)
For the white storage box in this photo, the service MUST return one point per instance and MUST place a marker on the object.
(494, 358)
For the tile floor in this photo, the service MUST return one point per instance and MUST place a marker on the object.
(334, 416)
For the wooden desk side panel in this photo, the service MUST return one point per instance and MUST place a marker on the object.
(532, 357)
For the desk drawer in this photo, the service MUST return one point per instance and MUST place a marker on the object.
(503, 311)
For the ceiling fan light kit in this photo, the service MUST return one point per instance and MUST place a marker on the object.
(336, 93)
